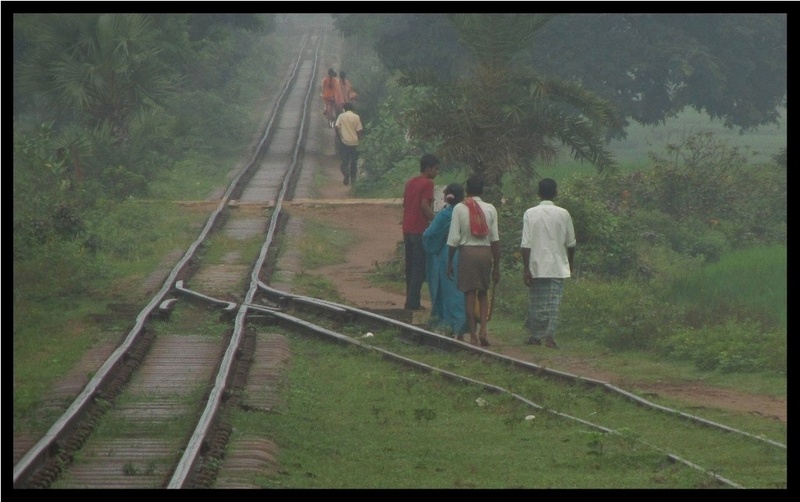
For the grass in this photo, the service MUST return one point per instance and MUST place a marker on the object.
(754, 278)
(343, 435)
(223, 248)
(54, 325)
(326, 247)
(61, 292)
(57, 318)
(348, 422)
(761, 144)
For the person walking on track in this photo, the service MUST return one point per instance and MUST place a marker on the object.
(331, 94)
(348, 133)
(348, 93)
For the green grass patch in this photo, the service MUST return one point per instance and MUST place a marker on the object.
(754, 280)
(315, 286)
(351, 421)
(761, 143)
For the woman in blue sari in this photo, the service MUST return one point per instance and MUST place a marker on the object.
(447, 312)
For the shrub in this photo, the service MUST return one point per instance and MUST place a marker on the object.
(70, 271)
(616, 314)
(606, 240)
(728, 348)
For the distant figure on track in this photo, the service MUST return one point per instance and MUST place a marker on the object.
(348, 93)
(331, 94)
(348, 134)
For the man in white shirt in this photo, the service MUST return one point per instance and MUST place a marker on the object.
(348, 131)
(548, 250)
(474, 234)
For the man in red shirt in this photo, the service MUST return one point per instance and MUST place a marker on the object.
(417, 214)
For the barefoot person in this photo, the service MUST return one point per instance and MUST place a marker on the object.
(473, 233)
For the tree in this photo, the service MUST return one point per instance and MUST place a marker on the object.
(650, 66)
(498, 117)
(100, 68)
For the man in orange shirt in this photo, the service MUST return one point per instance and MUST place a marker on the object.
(331, 94)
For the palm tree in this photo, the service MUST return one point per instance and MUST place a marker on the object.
(101, 68)
(499, 117)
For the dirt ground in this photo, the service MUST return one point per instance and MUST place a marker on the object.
(376, 230)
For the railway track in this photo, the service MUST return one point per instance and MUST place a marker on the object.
(176, 356)
(152, 416)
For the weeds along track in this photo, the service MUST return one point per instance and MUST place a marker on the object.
(147, 416)
(725, 454)
(153, 415)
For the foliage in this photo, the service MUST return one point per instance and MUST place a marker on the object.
(102, 109)
(728, 348)
(98, 68)
(704, 204)
(386, 145)
(714, 197)
(728, 316)
(501, 117)
(484, 111)
(749, 284)
(73, 276)
(731, 65)
(407, 42)
(122, 232)
(699, 175)
(621, 315)
(41, 194)
(649, 66)
(370, 79)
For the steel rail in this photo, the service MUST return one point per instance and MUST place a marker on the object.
(386, 354)
(439, 340)
(182, 475)
(47, 445)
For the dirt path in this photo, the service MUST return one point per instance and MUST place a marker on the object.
(376, 230)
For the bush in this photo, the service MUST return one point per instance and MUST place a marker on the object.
(70, 271)
(616, 314)
(122, 230)
(606, 239)
(733, 346)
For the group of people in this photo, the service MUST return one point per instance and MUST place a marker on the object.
(336, 91)
(338, 96)
(457, 251)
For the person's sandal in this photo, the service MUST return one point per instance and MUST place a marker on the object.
(484, 342)
(549, 342)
